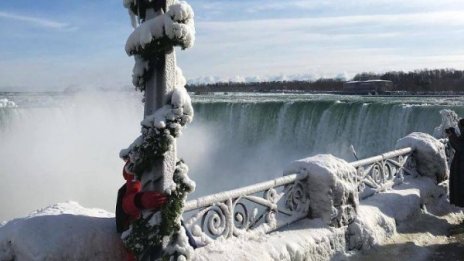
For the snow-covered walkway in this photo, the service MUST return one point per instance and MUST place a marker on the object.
(431, 237)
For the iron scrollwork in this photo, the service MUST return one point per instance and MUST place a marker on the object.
(266, 206)
(384, 173)
(249, 212)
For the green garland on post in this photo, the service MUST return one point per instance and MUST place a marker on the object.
(155, 143)
(142, 236)
(158, 230)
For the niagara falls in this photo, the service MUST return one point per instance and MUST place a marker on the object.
(231, 130)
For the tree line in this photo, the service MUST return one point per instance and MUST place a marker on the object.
(271, 86)
(438, 80)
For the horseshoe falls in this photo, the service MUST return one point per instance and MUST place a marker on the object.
(56, 147)
(251, 138)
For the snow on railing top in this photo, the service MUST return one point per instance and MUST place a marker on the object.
(248, 190)
(382, 172)
(385, 156)
(272, 204)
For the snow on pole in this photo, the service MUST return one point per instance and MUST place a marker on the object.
(162, 25)
(161, 80)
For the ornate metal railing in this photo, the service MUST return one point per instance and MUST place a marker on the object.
(261, 207)
(269, 205)
(382, 172)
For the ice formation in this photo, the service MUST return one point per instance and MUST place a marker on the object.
(378, 219)
(164, 125)
(141, 67)
(332, 186)
(429, 155)
(127, 4)
(5, 103)
(175, 26)
(449, 119)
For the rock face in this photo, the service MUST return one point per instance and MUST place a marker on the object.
(331, 186)
(429, 155)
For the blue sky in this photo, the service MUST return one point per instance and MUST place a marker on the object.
(52, 45)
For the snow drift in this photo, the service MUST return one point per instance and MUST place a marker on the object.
(332, 187)
(64, 231)
(429, 154)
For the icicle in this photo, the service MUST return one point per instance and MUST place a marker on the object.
(133, 19)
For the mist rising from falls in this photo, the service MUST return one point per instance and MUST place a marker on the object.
(66, 148)
(55, 149)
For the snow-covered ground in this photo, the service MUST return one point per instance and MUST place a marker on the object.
(418, 207)
(428, 238)
(415, 213)
(64, 231)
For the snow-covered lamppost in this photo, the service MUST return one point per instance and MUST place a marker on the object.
(158, 27)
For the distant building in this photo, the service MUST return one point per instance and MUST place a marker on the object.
(368, 87)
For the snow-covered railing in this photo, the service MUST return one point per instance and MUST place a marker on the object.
(261, 207)
(381, 172)
(269, 205)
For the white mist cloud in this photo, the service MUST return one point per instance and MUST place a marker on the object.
(64, 149)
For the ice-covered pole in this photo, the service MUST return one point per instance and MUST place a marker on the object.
(159, 26)
(160, 82)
